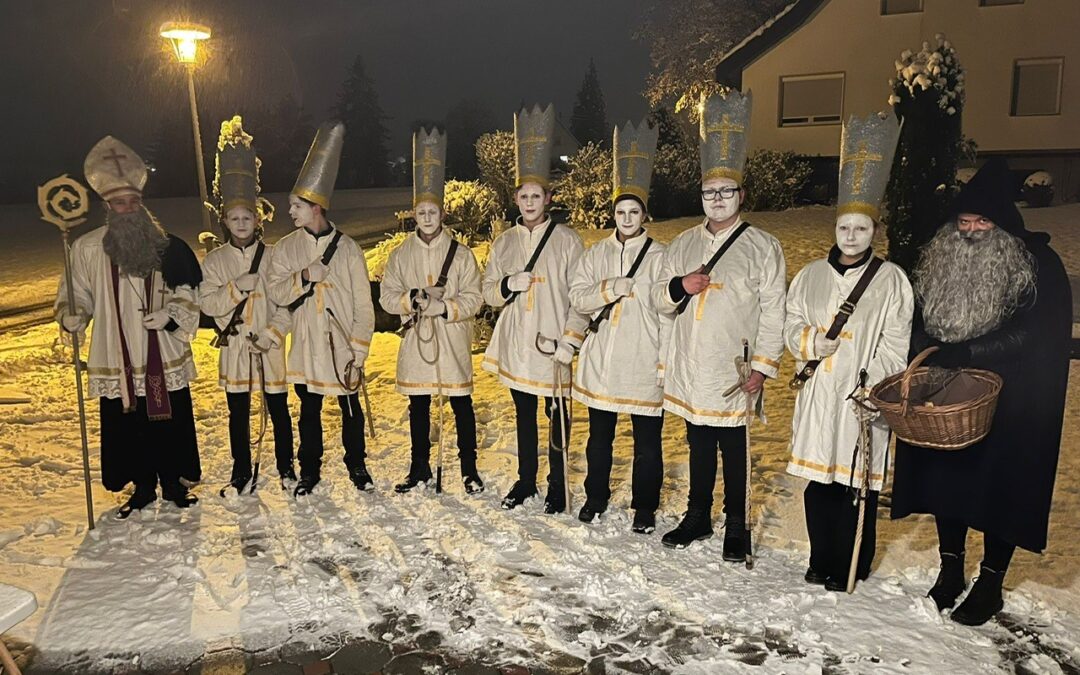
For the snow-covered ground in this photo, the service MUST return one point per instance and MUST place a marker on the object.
(457, 574)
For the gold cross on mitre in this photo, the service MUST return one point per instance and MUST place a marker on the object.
(630, 155)
(725, 129)
(529, 144)
(427, 162)
(115, 157)
(860, 158)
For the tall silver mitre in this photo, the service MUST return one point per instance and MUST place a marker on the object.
(724, 135)
(319, 173)
(633, 152)
(534, 136)
(429, 166)
(112, 169)
(867, 147)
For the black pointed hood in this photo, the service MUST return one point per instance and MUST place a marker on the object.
(989, 193)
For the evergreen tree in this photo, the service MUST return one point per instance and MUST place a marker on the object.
(466, 121)
(589, 120)
(282, 143)
(364, 156)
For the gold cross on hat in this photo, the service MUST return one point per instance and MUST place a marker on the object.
(860, 159)
(725, 128)
(630, 155)
(427, 162)
(114, 156)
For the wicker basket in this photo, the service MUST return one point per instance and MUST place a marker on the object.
(951, 426)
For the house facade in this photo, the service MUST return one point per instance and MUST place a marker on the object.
(822, 60)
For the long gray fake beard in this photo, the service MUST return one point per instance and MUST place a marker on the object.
(135, 242)
(968, 285)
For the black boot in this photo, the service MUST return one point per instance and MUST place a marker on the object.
(286, 476)
(950, 581)
(139, 500)
(473, 484)
(814, 577)
(555, 500)
(984, 600)
(306, 485)
(695, 526)
(644, 522)
(735, 541)
(237, 483)
(518, 494)
(180, 496)
(361, 478)
(590, 510)
(416, 478)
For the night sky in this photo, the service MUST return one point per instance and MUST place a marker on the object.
(76, 70)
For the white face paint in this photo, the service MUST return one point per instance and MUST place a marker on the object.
(302, 213)
(854, 233)
(428, 218)
(241, 224)
(531, 199)
(721, 207)
(628, 217)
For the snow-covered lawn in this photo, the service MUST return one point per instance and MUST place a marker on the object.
(458, 574)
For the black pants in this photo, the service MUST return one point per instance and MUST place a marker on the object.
(311, 436)
(420, 433)
(705, 442)
(831, 517)
(527, 436)
(648, 471)
(952, 538)
(240, 431)
(135, 449)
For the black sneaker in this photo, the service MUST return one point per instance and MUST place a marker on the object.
(695, 526)
(411, 482)
(735, 541)
(361, 478)
(306, 485)
(814, 577)
(237, 484)
(180, 496)
(644, 522)
(473, 484)
(555, 500)
(591, 510)
(950, 582)
(136, 502)
(518, 494)
(984, 600)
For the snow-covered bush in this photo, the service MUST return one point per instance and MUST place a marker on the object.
(934, 68)
(585, 188)
(495, 159)
(1038, 190)
(773, 180)
(470, 208)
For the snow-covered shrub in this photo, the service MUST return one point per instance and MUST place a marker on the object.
(1038, 190)
(378, 255)
(934, 68)
(470, 208)
(585, 188)
(495, 159)
(773, 180)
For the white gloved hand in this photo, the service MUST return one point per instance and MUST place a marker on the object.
(824, 347)
(520, 282)
(156, 320)
(436, 292)
(564, 354)
(246, 282)
(622, 286)
(434, 307)
(316, 272)
(73, 323)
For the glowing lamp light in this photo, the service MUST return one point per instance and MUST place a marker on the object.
(185, 38)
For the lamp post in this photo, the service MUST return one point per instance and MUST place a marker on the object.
(184, 38)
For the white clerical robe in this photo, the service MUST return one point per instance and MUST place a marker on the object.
(91, 275)
(270, 323)
(340, 308)
(824, 429)
(620, 363)
(745, 299)
(544, 308)
(412, 266)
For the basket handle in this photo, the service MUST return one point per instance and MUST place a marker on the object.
(905, 380)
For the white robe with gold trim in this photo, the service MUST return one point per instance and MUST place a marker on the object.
(91, 274)
(413, 266)
(344, 294)
(824, 429)
(744, 300)
(544, 308)
(219, 296)
(618, 365)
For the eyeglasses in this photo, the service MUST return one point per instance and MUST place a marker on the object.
(725, 193)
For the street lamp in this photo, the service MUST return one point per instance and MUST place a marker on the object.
(184, 38)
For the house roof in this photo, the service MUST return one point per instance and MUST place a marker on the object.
(768, 35)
